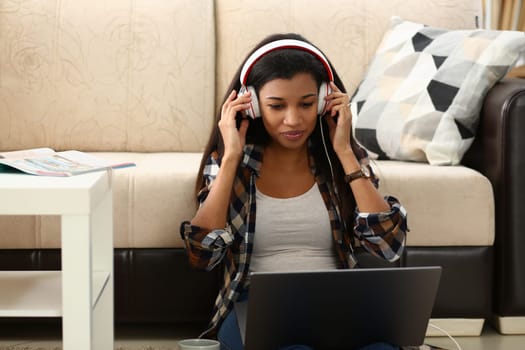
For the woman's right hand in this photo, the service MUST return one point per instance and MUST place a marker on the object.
(234, 139)
(213, 212)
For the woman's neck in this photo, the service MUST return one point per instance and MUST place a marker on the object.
(285, 173)
(286, 159)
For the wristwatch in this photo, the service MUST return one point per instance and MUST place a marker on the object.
(363, 172)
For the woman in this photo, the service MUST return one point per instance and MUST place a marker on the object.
(282, 184)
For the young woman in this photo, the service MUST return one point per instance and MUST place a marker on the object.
(282, 184)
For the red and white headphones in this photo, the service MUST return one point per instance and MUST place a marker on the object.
(324, 90)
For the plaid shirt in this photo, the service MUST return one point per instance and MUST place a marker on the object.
(382, 234)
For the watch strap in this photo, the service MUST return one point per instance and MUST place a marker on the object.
(354, 175)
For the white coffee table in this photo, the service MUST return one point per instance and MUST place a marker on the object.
(82, 292)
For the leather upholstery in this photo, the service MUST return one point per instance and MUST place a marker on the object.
(465, 289)
(157, 285)
(501, 143)
(151, 285)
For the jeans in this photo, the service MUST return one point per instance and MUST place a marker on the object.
(229, 336)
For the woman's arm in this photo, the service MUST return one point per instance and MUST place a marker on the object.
(208, 235)
(380, 223)
(367, 197)
(212, 213)
(383, 234)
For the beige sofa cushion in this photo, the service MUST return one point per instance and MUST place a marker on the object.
(115, 75)
(447, 206)
(150, 202)
(152, 199)
(348, 32)
(139, 76)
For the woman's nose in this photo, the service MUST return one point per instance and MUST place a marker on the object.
(293, 116)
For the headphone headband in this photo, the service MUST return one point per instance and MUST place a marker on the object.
(283, 44)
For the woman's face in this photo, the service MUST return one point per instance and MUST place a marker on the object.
(289, 110)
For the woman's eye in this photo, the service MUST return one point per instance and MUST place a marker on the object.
(275, 106)
(308, 105)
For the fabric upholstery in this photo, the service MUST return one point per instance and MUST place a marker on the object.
(348, 32)
(149, 200)
(139, 76)
(152, 199)
(120, 75)
(446, 206)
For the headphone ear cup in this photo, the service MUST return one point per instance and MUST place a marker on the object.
(253, 111)
(324, 90)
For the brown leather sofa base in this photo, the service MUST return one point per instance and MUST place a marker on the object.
(465, 289)
(158, 285)
(466, 284)
(497, 154)
(151, 285)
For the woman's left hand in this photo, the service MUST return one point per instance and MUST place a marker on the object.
(338, 105)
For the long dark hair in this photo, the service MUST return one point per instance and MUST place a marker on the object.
(286, 63)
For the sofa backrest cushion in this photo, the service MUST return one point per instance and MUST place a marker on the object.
(116, 75)
(348, 32)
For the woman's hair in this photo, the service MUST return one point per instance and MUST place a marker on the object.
(285, 64)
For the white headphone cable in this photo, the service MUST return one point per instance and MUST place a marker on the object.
(447, 334)
(325, 148)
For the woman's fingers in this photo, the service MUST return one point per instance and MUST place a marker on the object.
(337, 100)
(234, 104)
(233, 137)
(340, 128)
(243, 129)
(334, 87)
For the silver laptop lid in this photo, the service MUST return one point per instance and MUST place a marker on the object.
(339, 309)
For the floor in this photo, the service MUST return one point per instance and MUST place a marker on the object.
(46, 335)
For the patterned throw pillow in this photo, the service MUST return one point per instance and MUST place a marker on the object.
(422, 94)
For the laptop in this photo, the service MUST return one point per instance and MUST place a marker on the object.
(338, 309)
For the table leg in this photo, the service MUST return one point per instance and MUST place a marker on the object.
(102, 251)
(87, 268)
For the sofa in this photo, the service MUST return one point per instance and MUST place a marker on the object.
(142, 80)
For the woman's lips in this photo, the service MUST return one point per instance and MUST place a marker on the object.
(293, 135)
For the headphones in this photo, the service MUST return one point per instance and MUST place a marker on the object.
(324, 90)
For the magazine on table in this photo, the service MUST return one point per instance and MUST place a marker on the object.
(47, 162)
